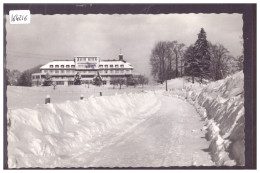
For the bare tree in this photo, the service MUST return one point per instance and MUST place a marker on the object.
(219, 61)
(120, 81)
(142, 80)
(177, 50)
(158, 59)
(165, 60)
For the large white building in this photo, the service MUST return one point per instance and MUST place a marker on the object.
(63, 71)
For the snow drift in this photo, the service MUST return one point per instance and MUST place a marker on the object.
(53, 135)
(221, 104)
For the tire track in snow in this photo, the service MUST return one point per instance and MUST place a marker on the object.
(171, 137)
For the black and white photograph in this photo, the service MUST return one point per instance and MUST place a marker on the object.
(122, 90)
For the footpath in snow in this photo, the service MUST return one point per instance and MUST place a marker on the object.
(221, 104)
(129, 130)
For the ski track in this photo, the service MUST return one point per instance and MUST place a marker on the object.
(170, 137)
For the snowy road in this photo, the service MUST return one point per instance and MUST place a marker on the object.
(171, 137)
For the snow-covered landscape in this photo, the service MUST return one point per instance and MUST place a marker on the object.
(98, 90)
(188, 125)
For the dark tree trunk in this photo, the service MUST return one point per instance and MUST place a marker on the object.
(181, 67)
(166, 86)
(176, 64)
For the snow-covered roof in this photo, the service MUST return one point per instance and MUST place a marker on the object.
(115, 62)
(82, 56)
(58, 62)
(101, 62)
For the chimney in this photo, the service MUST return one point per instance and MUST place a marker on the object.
(120, 57)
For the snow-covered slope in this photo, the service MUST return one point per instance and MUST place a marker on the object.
(50, 135)
(221, 103)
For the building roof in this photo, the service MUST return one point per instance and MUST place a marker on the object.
(58, 62)
(101, 62)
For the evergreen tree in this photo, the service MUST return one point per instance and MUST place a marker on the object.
(202, 54)
(191, 65)
(97, 80)
(25, 79)
(47, 81)
(77, 80)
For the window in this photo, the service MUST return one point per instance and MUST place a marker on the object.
(51, 71)
(56, 71)
(56, 66)
(72, 66)
(67, 71)
(62, 66)
(100, 66)
(121, 65)
(46, 71)
(51, 66)
(67, 66)
(62, 71)
(111, 66)
(105, 71)
(59, 83)
(106, 66)
(111, 71)
(116, 66)
(117, 71)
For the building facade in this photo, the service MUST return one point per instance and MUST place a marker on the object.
(63, 72)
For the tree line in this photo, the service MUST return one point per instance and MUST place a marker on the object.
(17, 78)
(201, 60)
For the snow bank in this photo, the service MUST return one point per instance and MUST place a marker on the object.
(53, 135)
(221, 104)
(176, 83)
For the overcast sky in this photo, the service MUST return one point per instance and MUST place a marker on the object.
(60, 37)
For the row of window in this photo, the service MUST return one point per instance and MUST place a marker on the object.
(87, 58)
(62, 77)
(83, 72)
(83, 82)
(36, 77)
(59, 82)
(113, 71)
(87, 66)
(62, 66)
(59, 71)
(110, 66)
(73, 66)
